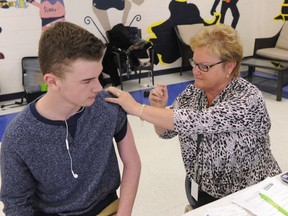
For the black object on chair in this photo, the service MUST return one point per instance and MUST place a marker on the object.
(129, 50)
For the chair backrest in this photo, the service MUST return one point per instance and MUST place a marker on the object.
(32, 78)
(282, 41)
(187, 31)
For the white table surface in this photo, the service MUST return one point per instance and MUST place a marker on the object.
(225, 201)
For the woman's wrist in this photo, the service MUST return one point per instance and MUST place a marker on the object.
(141, 111)
(158, 105)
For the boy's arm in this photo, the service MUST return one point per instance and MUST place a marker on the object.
(131, 173)
(17, 186)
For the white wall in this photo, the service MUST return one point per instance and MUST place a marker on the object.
(21, 28)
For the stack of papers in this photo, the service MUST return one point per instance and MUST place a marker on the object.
(270, 197)
(229, 210)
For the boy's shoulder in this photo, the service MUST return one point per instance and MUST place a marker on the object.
(102, 103)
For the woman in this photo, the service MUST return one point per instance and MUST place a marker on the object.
(221, 120)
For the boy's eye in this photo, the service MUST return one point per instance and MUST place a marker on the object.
(87, 81)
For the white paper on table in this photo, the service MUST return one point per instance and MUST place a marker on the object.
(229, 210)
(251, 200)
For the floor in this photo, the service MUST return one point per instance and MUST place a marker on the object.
(161, 190)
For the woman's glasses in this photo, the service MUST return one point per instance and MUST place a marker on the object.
(203, 67)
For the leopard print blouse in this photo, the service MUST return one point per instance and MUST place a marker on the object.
(225, 147)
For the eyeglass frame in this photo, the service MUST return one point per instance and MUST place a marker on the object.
(193, 64)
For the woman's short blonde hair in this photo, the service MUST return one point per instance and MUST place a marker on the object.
(223, 41)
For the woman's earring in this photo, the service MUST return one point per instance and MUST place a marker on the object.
(228, 75)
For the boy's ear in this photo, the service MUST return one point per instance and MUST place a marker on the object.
(51, 81)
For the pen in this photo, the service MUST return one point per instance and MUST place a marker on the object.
(270, 201)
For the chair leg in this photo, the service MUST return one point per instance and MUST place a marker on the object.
(121, 80)
(152, 76)
(188, 208)
(188, 188)
(251, 70)
(139, 76)
(181, 69)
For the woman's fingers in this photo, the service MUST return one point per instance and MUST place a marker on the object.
(114, 91)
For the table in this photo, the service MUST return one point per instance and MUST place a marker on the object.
(225, 201)
(280, 67)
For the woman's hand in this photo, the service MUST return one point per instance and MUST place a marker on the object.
(125, 100)
(158, 96)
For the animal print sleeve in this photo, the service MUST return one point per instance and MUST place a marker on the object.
(241, 110)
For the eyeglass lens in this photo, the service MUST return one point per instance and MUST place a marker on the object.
(202, 67)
